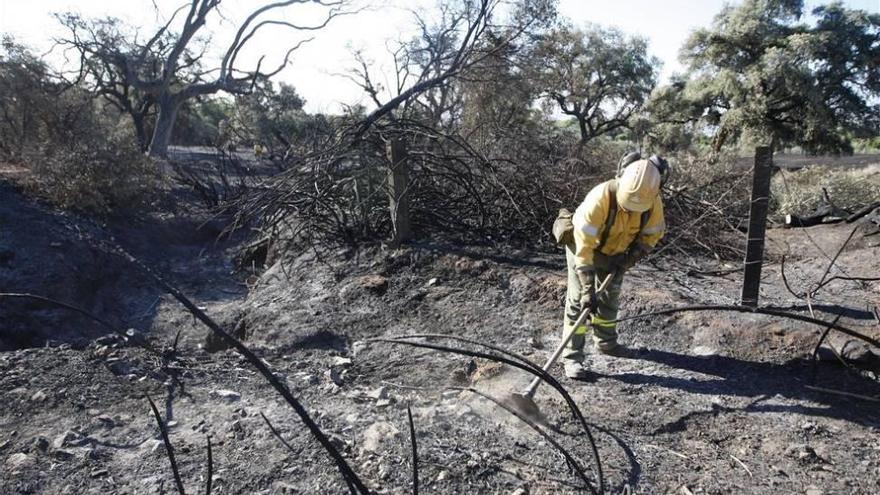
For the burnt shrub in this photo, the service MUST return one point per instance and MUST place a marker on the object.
(89, 164)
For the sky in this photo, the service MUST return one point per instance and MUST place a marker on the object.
(317, 69)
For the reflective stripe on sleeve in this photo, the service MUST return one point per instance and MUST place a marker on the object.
(656, 229)
(590, 230)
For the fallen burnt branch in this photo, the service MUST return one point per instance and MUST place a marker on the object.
(834, 259)
(290, 447)
(842, 393)
(567, 455)
(817, 218)
(348, 474)
(743, 309)
(210, 481)
(415, 451)
(169, 450)
(522, 364)
(826, 213)
(824, 335)
(863, 212)
(535, 370)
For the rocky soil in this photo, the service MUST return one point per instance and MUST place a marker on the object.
(710, 402)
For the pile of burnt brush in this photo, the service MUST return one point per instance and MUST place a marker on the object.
(508, 194)
(707, 208)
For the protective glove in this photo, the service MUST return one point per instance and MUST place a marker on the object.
(633, 255)
(618, 261)
(587, 276)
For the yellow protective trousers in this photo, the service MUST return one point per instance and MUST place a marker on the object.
(604, 332)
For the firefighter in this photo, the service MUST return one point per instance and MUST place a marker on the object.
(617, 224)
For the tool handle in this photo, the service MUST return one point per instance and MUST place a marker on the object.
(533, 386)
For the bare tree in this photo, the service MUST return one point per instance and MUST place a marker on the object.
(446, 50)
(164, 70)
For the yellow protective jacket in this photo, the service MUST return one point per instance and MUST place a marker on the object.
(590, 220)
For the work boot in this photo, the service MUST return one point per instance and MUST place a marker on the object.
(615, 350)
(576, 370)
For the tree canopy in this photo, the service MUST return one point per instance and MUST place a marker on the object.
(598, 76)
(762, 72)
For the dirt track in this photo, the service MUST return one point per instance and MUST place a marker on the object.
(712, 403)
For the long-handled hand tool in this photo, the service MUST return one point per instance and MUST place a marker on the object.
(525, 402)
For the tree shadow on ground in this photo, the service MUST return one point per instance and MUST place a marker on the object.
(741, 378)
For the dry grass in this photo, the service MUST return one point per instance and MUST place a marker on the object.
(800, 192)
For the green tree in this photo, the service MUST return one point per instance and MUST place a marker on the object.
(25, 92)
(762, 73)
(598, 76)
(269, 116)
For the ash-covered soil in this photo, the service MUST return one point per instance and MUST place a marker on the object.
(710, 402)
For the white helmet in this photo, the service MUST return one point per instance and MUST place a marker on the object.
(638, 186)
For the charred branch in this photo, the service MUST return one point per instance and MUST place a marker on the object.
(169, 449)
(763, 311)
(345, 469)
(510, 359)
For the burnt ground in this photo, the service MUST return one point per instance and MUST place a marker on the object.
(711, 402)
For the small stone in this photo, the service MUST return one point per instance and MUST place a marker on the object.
(226, 395)
(857, 352)
(99, 473)
(333, 376)
(442, 476)
(377, 435)
(64, 440)
(704, 350)
(63, 455)
(18, 461)
(107, 421)
(340, 361)
(803, 453)
(814, 490)
(383, 403)
(431, 282)
(40, 396)
(236, 429)
(383, 471)
(41, 444)
(378, 393)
